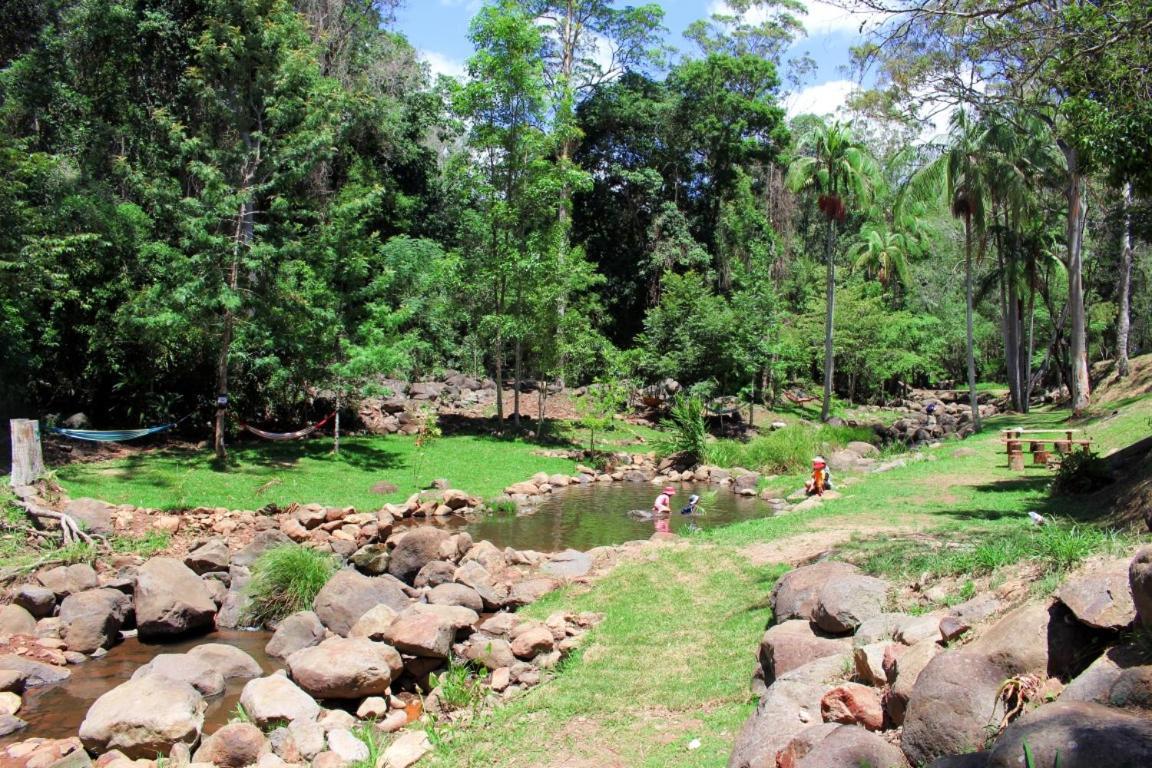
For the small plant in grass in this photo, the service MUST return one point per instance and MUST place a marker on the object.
(145, 546)
(239, 715)
(427, 433)
(688, 433)
(285, 580)
(503, 506)
(459, 688)
(371, 737)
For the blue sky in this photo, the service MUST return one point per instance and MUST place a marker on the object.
(439, 30)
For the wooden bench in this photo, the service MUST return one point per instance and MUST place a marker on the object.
(1014, 439)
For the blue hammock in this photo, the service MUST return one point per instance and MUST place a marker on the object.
(110, 435)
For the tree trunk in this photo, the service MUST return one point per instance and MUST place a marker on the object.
(27, 455)
(243, 238)
(1078, 383)
(1124, 320)
(541, 396)
(518, 374)
(971, 334)
(1027, 350)
(829, 319)
(1010, 329)
(336, 428)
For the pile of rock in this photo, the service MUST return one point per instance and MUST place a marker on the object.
(929, 418)
(842, 682)
(399, 413)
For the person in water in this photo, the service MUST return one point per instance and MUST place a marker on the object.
(663, 504)
(690, 507)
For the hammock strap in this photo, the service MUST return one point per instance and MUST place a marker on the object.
(287, 435)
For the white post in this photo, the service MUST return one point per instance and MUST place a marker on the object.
(27, 456)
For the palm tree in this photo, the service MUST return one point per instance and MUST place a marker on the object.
(961, 173)
(882, 254)
(839, 169)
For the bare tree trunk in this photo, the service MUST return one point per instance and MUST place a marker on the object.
(1078, 383)
(541, 396)
(336, 429)
(971, 334)
(1026, 352)
(829, 319)
(1124, 320)
(243, 238)
(518, 374)
(27, 455)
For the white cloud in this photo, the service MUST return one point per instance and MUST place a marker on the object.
(471, 6)
(823, 99)
(822, 18)
(443, 65)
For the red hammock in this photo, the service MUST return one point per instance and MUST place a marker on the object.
(287, 435)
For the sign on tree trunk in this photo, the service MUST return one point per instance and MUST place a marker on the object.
(27, 458)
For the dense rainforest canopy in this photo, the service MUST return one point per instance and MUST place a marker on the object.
(273, 198)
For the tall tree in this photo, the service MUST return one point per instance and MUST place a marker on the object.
(841, 171)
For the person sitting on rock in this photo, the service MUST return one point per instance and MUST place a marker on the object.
(821, 479)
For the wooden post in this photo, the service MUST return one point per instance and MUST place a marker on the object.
(1016, 461)
(27, 456)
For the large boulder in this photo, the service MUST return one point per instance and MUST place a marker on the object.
(375, 623)
(1101, 598)
(456, 594)
(788, 707)
(33, 673)
(93, 515)
(345, 668)
(792, 644)
(65, 580)
(14, 620)
(1095, 683)
(906, 670)
(212, 555)
(185, 668)
(1140, 583)
(171, 600)
(847, 601)
(797, 592)
(276, 699)
(414, 550)
(233, 746)
(228, 660)
(300, 630)
(850, 745)
(1040, 638)
(569, 564)
(144, 717)
(37, 600)
(92, 619)
(349, 595)
(952, 703)
(421, 633)
(1075, 735)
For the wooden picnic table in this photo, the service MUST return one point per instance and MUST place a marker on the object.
(1015, 437)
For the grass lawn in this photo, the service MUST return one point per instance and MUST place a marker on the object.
(280, 473)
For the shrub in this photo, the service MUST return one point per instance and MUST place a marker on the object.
(784, 450)
(1081, 472)
(285, 580)
(688, 434)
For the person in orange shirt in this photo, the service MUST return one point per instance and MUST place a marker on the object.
(821, 479)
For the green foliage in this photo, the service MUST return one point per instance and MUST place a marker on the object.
(286, 580)
(502, 506)
(783, 450)
(151, 543)
(687, 435)
(1081, 472)
(459, 688)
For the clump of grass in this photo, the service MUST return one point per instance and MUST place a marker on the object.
(285, 580)
(146, 546)
(458, 686)
(502, 506)
(783, 450)
(372, 738)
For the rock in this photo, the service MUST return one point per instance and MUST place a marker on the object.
(349, 595)
(185, 668)
(348, 747)
(45, 753)
(569, 564)
(11, 680)
(33, 673)
(212, 555)
(406, 750)
(92, 619)
(953, 701)
(868, 661)
(862, 449)
(373, 708)
(488, 555)
(273, 699)
(530, 590)
(144, 717)
(846, 601)
(329, 760)
(1075, 735)
(491, 652)
(37, 600)
(421, 634)
(792, 644)
(373, 624)
(300, 630)
(94, 516)
(309, 737)
(905, 672)
(414, 550)
(976, 610)
(1095, 683)
(849, 745)
(456, 594)
(228, 660)
(171, 600)
(64, 580)
(532, 642)
(853, 704)
(797, 592)
(788, 707)
(9, 703)
(14, 620)
(10, 724)
(1132, 689)
(914, 629)
(1140, 583)
(1040, 638)
(345, 668)
(801, 744)
(1101, 598)
(951, 628)
(371, 559)
(261, 543)
(877, 629)
(435, 573)
(970, 760)
(233, 746)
